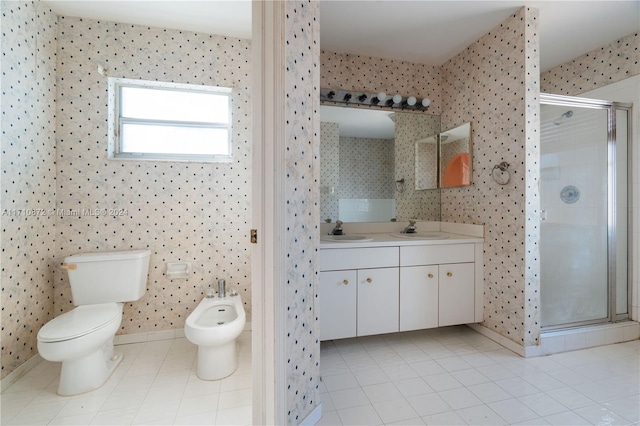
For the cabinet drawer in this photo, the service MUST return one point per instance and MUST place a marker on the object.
(435, 254)
(358, 258)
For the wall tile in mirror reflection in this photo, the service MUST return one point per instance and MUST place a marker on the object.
(427, 163)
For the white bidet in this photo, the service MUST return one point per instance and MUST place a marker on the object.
(214, 326)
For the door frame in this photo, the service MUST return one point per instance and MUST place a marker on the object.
(268, 255)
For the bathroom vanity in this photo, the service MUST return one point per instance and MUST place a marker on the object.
(387, 283)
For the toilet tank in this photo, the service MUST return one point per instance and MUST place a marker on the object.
(105, 277)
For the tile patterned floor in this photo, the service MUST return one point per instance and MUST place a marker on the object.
(156, 384)
(450, 376)
(455, 376)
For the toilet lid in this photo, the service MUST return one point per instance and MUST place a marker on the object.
(78, 322)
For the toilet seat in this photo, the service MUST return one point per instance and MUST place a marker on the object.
(79, 322)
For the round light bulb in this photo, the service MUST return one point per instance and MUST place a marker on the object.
(426, 102)
(382, 96)
(411, 101)
(397, 99)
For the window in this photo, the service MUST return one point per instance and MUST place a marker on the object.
(169, 121)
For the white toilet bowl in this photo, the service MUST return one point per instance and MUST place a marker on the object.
(82, 340)
(214, 326)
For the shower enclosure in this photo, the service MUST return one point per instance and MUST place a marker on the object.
(584, 214)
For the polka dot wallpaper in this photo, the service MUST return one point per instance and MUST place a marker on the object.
(491, 84)
(302, 179)
(181, 211)
(28, 179)
(600, 67)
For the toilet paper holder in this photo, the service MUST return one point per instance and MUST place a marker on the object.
(178, 270)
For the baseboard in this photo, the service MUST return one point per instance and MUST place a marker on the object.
(499, 339)
(313, 417)
(552, 342)
(10, 378)
(152, 336)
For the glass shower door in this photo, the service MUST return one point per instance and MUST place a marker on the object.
(574, 227)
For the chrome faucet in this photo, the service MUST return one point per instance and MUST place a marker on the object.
(221, 288)
(411, 228)
(337, 230)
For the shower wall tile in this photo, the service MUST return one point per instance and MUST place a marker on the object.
(302, 213)
(492, 84)
(28, 179)
(611, 63)
(181, 211)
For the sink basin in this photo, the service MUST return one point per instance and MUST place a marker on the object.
(346, 238)
(420, 235)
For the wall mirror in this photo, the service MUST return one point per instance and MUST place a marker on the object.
(455, 157)
(367, 165)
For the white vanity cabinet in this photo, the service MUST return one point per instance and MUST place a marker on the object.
(384, 289)
(358, 292)
(441, 279)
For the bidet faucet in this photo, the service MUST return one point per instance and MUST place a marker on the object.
(221, 288)
(411, 228)
(338, 228)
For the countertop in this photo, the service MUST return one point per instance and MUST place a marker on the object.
(388, 240)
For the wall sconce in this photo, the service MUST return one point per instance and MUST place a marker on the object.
(373, 99)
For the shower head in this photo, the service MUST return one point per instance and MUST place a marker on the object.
(564, 116)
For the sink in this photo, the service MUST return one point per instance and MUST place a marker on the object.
(346, 238)
(421, 235)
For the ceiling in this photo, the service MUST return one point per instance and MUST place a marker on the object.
(423, 31)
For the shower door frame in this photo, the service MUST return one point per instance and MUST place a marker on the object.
(611, 108)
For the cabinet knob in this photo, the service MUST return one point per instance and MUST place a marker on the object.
(345, 282)
(369, 280)
(449, 274)
(430, 275)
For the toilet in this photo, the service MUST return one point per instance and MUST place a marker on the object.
(82, 339)
(214, 325)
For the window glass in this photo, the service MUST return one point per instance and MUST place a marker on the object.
(156, 120)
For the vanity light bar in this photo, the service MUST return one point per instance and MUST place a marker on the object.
(373, 99)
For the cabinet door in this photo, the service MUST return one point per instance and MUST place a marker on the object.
(378, 301)
(337, 301)
(418, 297)
(456, 292)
